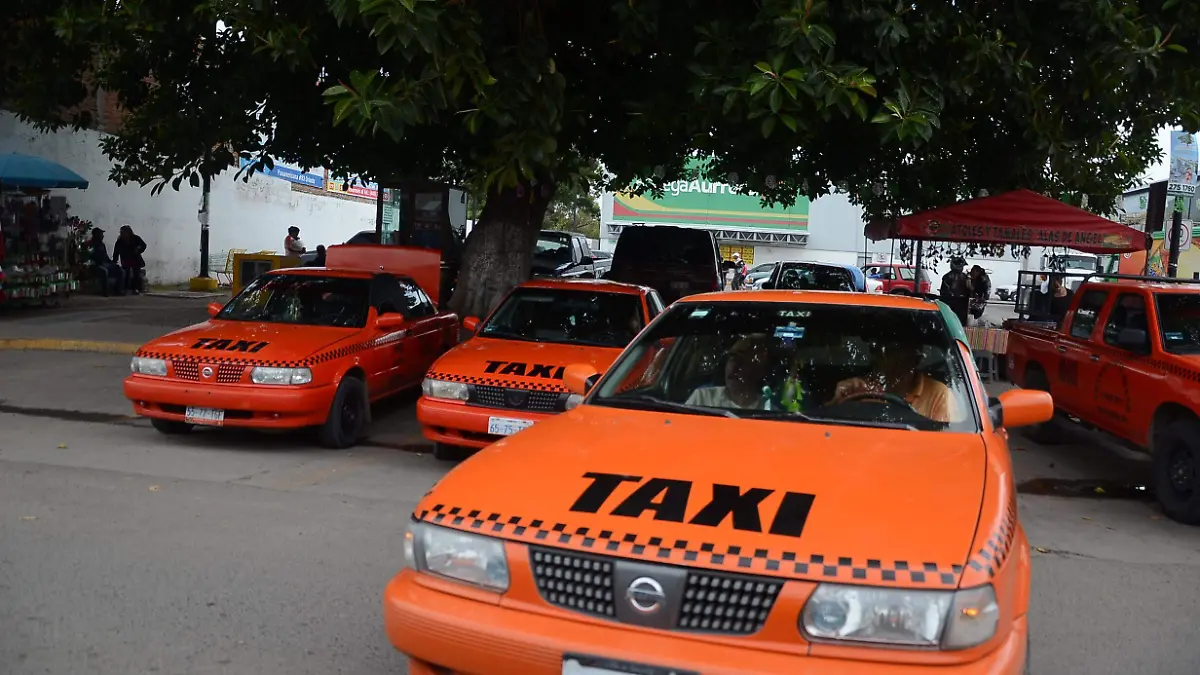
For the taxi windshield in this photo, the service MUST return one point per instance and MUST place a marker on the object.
(302, 299)
(807, 362)
(569, 316)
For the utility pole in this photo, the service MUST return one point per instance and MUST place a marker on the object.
(1176, 231)
(205, 188)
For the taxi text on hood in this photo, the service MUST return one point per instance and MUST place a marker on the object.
(248, 341)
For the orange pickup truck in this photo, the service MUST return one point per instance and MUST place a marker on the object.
(1126, 360)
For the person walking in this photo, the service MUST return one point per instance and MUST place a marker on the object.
(956, 289)
(111, 278)
(291, 243)
(127, 252)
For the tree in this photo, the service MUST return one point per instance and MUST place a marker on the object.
(576, 206)
(903, 105)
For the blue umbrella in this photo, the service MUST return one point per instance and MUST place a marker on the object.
(34, 172)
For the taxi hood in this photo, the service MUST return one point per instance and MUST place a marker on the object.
(249, 341)
(518, 363)
(810, 501)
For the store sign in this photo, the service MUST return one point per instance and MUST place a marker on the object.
(708, 203)
(1029, 236)
(1185, 157)
(290, 174)
(357, 187)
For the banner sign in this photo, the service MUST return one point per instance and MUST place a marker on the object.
(1185, 155)
(290, 174)
(358, 187)
(1028, 236)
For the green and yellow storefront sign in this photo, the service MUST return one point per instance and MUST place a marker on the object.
(710, 204)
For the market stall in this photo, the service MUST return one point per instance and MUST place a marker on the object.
(1019, 221)
(40, 243)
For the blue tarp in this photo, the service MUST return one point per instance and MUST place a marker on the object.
(26, 171)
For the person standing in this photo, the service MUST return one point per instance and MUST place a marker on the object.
(110, 274)
(981, 290)
(127, 252)
(956, 289)
(291, 243)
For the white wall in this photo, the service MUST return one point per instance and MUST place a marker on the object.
(254, 215)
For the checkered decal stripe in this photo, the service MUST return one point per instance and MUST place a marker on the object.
(995, 550)
(217, 356)
(791, 565)
(498, 382)
(1176, 370)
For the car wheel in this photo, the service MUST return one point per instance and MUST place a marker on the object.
(450, 453)
(1176, 457)
(170, 427)
(1050, 431)
(348, 414)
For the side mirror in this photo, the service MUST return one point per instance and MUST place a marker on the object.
(580, 378)
(214, 308)
(1021, 408)
(1133, 339)
(470, 324)
(390, 321)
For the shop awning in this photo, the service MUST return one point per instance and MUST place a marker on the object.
(26, 171)
(1021, 217)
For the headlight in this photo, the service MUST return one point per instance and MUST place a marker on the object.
(902, 617)
(262, 375)
(144, 366)
(455, 391)
(460, 556)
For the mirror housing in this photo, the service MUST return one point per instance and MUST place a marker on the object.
(1021, 408)
(1133, 339)
(214, 308)
(470, 324)
(580, 378)
(390, 321)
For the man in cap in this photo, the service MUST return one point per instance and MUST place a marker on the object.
(956, 289)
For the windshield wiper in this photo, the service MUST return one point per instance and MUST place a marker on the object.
(663, 404)
(819, 419)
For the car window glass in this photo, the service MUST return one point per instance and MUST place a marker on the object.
(1179, 321)
(1087, 313)
(804, 276)
(553, 247)
(416, 303)
(654, 300)
(905, 274)
(302, 299)
(640, 246)
(1129, 311)
(860, 365)
(567, 316)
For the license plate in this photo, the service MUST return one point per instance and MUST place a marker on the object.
(207, 416)
(506, 426)
(591, 665)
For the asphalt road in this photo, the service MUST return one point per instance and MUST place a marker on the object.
(123, 551)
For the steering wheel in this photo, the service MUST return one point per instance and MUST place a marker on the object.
(878, 396)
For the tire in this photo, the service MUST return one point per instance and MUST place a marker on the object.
(1176, 459)
(170, 427)
(1049, 432)
(450, 453)
(348, 414)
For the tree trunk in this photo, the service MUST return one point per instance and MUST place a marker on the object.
(499, 250)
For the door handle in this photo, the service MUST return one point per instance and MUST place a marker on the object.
(1095, 357)
(1061, 349)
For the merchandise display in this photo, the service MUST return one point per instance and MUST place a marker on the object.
(39, 247)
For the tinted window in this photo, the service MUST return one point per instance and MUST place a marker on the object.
(416, 303)
(1085, 315)
(302, 299)
(801, 362)
(1129, 311)
(810, 277)
(552, 315)
(1179, 320)
(553, 247)
(661, 246)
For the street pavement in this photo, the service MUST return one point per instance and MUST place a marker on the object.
(125, 551)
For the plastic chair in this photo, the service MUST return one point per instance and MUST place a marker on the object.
(227, 272)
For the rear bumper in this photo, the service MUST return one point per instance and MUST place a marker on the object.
(248, 406)
(461, 425)
(466, 636)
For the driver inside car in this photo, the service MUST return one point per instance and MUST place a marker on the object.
(747, 364)
(896, 374)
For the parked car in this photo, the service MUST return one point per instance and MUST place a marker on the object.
(899, 279)
(565, 255)
(675, 261)
(602, 261)
(759, 272)
(816, 276)
(1007, 292)
(364, 237)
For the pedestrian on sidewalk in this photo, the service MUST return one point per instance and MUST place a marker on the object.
(291, 243)
(127, 252)
(111, 277)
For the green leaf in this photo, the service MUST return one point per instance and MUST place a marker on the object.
(763, 67)
(882, 118)
(788, 121)
(342, 110)
(768, 125)
(1176, 47)
(1169, 4)
(794, 74)
(409, 4)
(488, 80)
(758, 85)
(730, 101)
(868, 90)
(789, 88)
(699, 48)
(775, 99)
(336, 90)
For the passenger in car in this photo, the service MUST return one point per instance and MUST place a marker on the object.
(896, 374)
(746, 366)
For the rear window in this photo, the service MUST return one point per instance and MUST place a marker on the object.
(656, 246)
(567, 316)
(553, 247)
(808, 277)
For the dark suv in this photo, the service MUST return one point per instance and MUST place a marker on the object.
(675, 261)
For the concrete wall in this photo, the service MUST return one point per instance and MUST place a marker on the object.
(253, 216)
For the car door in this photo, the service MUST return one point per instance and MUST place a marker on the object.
(1122, 370)
(1076, 370)
(425, 335)
(393, 350)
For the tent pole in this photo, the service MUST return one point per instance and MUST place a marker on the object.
(917, 266)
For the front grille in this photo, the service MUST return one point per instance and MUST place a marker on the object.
(185, 370)
(516, 399)
(227, 373)
(582, 583)
(726, 603)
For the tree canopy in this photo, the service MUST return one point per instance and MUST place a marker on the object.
(902, 105)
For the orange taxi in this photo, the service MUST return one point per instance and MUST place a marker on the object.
(509, 375)
(305, 347)
(809, 482)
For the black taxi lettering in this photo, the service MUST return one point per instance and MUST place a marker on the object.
(667, 499)
(546, 372)
(249, 346)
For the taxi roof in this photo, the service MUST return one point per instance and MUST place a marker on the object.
(1184, 287)
(596, 285)
(331, 272)
(818, 297)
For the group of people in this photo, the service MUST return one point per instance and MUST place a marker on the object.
(122, 273)
(966, 294)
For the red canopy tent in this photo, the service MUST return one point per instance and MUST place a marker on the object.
(1021, 217)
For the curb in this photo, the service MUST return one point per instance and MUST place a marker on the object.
(54, 345)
